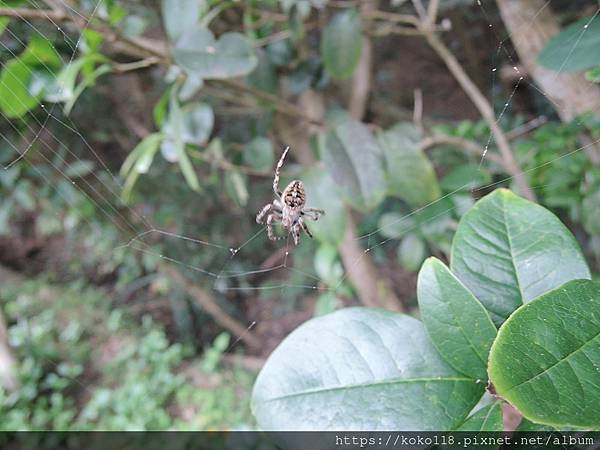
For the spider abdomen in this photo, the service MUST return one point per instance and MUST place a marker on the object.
(294, 195)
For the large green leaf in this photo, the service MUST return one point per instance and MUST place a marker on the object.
(199, 54)
(409, 173)
(321, 192)
(361, 369)
(508, 251)
(457, 323)
(353, 158)
(575, 48)
(546, 359)
(488, 418)
(342, 43)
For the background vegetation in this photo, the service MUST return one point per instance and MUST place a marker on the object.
(139, 141)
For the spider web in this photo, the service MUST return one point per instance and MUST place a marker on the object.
(135, 228)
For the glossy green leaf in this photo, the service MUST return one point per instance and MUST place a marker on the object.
(546, 358)
(575, 48)
(179, 16)
(321, 192)
(411, 252)
(409, 174)
(198, 53)
(259, 154)
(361, 369)
(508, 251)
(488, 418)
(15, 98)
(457, 323)
(353, 158)
(341, 44)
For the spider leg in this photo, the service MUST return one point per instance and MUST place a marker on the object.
(296, 233)
(305, 228)
(266, 209)
(270, 231)
(277, 170)
(275, 216)
(313, 213)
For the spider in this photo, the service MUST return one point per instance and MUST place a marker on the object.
(288, 208)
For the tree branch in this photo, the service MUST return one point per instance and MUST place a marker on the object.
(469, 146)
(484, 107)
(210, 306)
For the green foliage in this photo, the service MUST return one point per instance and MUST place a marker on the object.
(458, 324)
(546, 360)
(522, 236)
(593, 75)
(575, 48)
(537, 362)
(323, 191)
(82, 368)
(353, 159)
(403, 160)
(341, 44)
(379, 368)
(200, 54)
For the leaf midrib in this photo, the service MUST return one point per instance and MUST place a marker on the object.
(369, 385)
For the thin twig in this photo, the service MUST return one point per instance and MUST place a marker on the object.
(432, 11)
(526, 127)
(279, 105)
(394, 17)
(209, 304)
(136, 65)
(418, 110)
(470, 146)
(485, 109)
(421, 11)
(226, 165)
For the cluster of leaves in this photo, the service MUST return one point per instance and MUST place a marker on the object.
(62, 337)
(385, 370)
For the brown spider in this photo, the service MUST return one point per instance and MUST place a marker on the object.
(288, 208)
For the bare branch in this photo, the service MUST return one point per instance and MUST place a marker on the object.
(209, 305)
(485, 109)
(469, 146)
